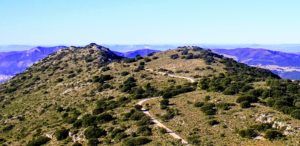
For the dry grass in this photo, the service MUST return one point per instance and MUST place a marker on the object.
(191, 119)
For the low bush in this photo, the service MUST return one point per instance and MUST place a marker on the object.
(118, 134)
(273, 134)
(124, 73)
(88, 120)
(103, 118)
(251, 99)
(199, 104)
(213, 122)
(296, 114)
(76, 144)
(164, 103)
(245, 104)
(194, 139)
(93, 142)
(144, 131)
(102, 78)
(128, 85)
(174, 56)
(38, 141)
(224, 106)
(94, 132)
(262, 127)
(105, 68)
(136, 141)
(209, 109)
(248, 133)
(61, 134)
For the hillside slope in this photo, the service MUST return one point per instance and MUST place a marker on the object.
(89, 95)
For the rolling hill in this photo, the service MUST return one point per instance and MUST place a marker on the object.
(184, 96)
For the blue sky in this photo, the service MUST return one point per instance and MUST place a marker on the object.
(77, 22)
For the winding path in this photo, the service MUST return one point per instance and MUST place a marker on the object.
(155, 121)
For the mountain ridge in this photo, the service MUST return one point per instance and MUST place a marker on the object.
(93, 95)
(287, 65)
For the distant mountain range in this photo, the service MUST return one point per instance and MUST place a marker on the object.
(15, 62)
(141, 52)
(9, 48)
(287, 65)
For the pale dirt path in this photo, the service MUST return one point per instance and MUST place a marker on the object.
(155, 121)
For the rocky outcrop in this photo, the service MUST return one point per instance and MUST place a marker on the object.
(287, 128)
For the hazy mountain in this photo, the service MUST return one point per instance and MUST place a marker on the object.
(291, 48)
(127, 48)
(15, 62)
(141, 52)
(10, 48)
(287, 65)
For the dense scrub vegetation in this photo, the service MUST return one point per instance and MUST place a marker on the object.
(282, 95)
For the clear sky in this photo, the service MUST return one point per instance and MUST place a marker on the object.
(76, 22)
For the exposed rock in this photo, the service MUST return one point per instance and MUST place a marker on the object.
(287, 129)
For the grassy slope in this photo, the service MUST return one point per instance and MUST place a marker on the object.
(43, 96)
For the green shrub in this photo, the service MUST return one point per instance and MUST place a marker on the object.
(76, 144)
(232, 90)
(136, 141)
(248, 133)
(144, 131)
(94, 132)
(103, 118)
(224, 106)
(174, 56)
(102, 78)
(38, 141)
(147, 59)
(171, 113)
(88, 120)
(207, 98)
(273, 134)
(128, 85)
(93, 142)
(209, 109)
(246, 88)
(7, 128)
(144, 121)
(58, 80)
(105, 68)
(245, 104)
(164, 103)
(262, 127)
(61, 134)
(194, 139)
(251, 99)
(296, 114)
(213, 122)
(162, 130)
(77, 123)
(118, 134)
(199, 104)
(124, 73)
(134, 115)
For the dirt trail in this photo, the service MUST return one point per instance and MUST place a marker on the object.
(157, 122)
